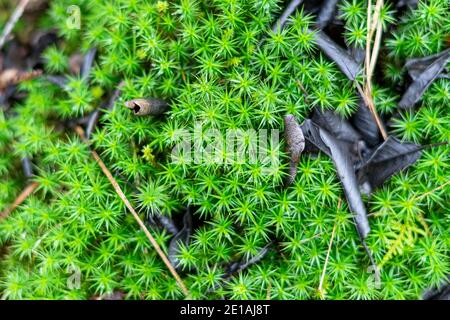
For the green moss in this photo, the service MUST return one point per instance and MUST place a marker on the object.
(208, 61)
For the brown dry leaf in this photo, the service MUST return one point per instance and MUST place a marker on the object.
(14, 76)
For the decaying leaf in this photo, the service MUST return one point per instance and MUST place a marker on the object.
(149, 106)
(423, 79)
(341, 129)
(344, 168)
(387, 159)
(364, 122)
(337, 125)
(416, 66)
(327, 12)
(60, 81)
(441, 292)
(75, 62)
(290, 8)
(93, 117)
(295, 142)
(342, 160)
(358, 54)
(27, 167)
(88, 61)
(14, 76)
(333, 51)
(409, 3)
(181, 238)
(244, 264)
(167, 224)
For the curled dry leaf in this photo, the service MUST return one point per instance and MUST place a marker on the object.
(27, 167)
(338, 151)
(358, 54)
(333, 51)
(342, 130)
(58, 80)
(327, 12)
(14, 76)
(386, 160)
(364, 122)
(423, 79)
(181, 238)
(441, 292)
(290, 8)
(416, 66)
(346, 173)
(295, 143)
(334, 123)
(167, 224)
(88, 61)
(239, 266)
(149, 106)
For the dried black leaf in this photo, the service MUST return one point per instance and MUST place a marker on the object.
(339, 153)
(27, 167)
(295, 142)
(358, 54)
(92, 121)
(341, 129)
(40, 41)
(60, 81)
(416, 66)
(424, 80)
(285, 15)
(409, 3)
(387, 159)
(254, 260)
(150, 106)
(441, 292)
(312, 138)
(88, 61)
(181, 238)
(93, 118)
(238, 266)
(364, 122)
(332, 50)
(335, 124)
(167, 224)
(327, 12)
(344, 168)
(242, 265)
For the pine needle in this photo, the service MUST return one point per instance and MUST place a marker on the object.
(432, 191)
(12, 21)
(373, 26)
(20, 199)
(127, 203)
(419, 197)
(322, 277)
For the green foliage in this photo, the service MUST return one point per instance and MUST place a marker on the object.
(206, 58)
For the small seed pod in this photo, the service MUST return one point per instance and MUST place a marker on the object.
(150, 106)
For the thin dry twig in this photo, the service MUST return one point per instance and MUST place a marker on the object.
(122, 196)
(322, 277)
(20, 199)
(12, 21)
(432, 191)
(269, 289)
(373, 26)
(418, 197)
